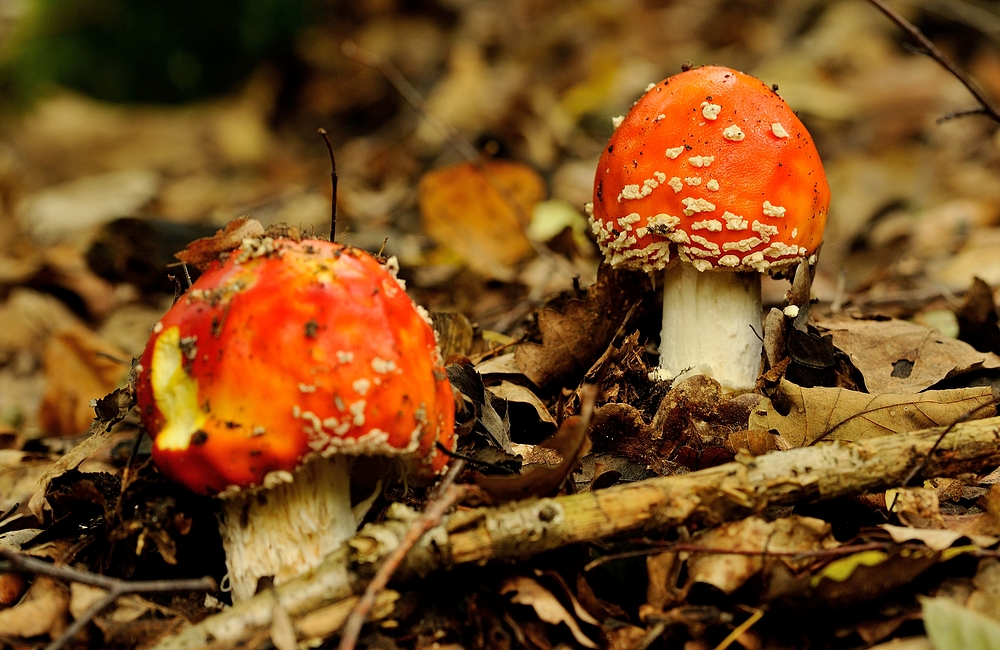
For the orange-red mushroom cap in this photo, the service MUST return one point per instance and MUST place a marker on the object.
(287, 350)
(710, 164)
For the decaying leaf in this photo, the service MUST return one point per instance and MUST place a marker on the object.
(729, 572)
(527, 591)
(454, 333)
(43, 611)
(899, 357)
(80, 367)
(869, 574)
(491, 417)
(838, 414)
(577, 333)
(19, 475)
(526, 409)
(663, 571)
(481, 212)
(977, 318)
(201, 252)
(916, 507)
(111, 409)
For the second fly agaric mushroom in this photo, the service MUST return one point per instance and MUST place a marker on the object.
(712, 177)
(271, 376)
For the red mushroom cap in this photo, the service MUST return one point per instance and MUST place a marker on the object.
(286, 350)
(711, 164)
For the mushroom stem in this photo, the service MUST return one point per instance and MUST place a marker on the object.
(288, 529)
(711, 326)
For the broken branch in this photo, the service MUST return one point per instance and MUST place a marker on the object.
(524, 529)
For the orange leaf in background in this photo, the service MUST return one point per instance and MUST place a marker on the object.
(80, 366)
(481, 212)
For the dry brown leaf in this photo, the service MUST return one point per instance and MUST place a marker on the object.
(481, 212)
(58, 213)
(986, 598)
(80, 366)
(519, 397)
(663, 570)
(527, 591)
(898, 357)
(575, 335)
(570, 441)
(202, 252)
(110, 410)
(840, 414)
(916, 507)
(43, 611)
(19, 475)
(729, 572)
(936, 540)
(325, 621)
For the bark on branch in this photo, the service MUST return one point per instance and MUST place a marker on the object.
(524, 529)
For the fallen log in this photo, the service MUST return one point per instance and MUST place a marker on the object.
(523, 529)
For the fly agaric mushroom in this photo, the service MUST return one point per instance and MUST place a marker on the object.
(268, 379)
(712, 177)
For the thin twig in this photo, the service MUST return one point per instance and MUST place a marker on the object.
(334, 178)
(479, 358)
(738, 632)
(445, 495)
(116, 587)
(932, 51)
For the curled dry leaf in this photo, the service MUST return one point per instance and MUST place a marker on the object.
(936, 540)
(481, 212)
(529, 415)
(527, 591)
(851, 580)
(202, 252)
(570, 441)
(729, 572)
(898, 357)
(577, 332)
(815, 414)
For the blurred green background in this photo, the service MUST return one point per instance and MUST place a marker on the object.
(163, 51)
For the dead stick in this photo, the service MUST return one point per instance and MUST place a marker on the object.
(431, 518)
(524, 529)
(115, 586)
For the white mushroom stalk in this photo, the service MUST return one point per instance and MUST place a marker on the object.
(288, 527)
(711, 326)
